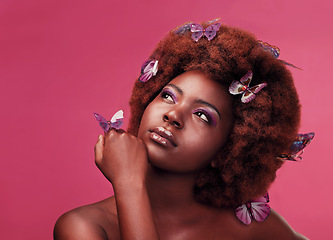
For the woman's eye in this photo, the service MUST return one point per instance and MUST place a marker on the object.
(168, 96)
(203, 116)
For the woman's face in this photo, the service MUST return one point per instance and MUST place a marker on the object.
(186, 125)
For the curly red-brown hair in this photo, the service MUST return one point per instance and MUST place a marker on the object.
(262, 129)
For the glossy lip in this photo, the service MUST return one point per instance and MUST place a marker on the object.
(165, 134)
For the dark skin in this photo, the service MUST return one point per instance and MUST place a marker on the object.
(153, 175)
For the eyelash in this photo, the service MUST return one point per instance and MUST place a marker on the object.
(210, 119)
(165, 93)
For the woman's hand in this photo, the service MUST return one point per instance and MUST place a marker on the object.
(121, 157)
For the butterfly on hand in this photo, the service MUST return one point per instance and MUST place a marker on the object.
(198, 31)
(297, 147)
(148, 69)
(242, 87)
(115, 122)
(257, 209)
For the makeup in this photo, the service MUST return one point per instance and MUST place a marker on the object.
(210, 119)
(166, 91)
(162, 136)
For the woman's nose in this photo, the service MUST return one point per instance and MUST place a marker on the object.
(174, 118)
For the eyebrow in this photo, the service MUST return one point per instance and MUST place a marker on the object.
(198, 100)
(179, 90)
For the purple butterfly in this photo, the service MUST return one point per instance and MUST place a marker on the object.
(242, 87)
(148, 69)
(198, 31)
(274, 51)
(257, 209)
(297, 147)
(115, 122)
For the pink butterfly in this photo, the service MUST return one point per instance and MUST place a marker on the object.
(257, 209)
(275, 51)
(115, 122)
(242, 86)
(209, 32)
(148, 69)
(297, 147)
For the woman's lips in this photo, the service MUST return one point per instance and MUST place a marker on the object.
(162, 136)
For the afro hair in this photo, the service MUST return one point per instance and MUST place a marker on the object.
(262, 129)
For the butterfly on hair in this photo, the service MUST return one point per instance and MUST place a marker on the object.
(115, 122)
(275, 52)
(148, 69)
(198, 31)
(242, 87)
(257, 209)
(297, 147)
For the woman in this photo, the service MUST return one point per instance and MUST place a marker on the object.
(194, 153)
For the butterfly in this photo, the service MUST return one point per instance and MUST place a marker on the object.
(274, 51)
(242, 86)
(257, 209)
(297, 147)
(148, 69)
(181, 30)
(115, 122)
(198, 31)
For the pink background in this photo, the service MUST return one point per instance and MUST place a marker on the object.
(61, 60)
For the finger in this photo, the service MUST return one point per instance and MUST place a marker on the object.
(99, 148)
(120, 130)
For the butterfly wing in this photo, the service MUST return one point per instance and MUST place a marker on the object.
(289, 64)
(117, 119)
(260, 208)
(149, 68)
(275, 51)
(212, 21)
(236, 87)
(297, 147)
(286, 157)
(243, 214)
(182, 29)
(246, 79)
(210, 31)
(249, 94)
(301, 142)
(102, 122)
(257, 88)
(197, 31)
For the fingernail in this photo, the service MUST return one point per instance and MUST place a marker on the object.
(100, 137)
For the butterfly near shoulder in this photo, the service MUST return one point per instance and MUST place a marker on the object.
(257, 209)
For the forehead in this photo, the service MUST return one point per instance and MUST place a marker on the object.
(200, 86)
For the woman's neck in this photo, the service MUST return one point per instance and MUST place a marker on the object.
(168, 190)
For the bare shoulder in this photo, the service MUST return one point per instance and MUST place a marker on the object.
(275, 227)
(94, 221)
